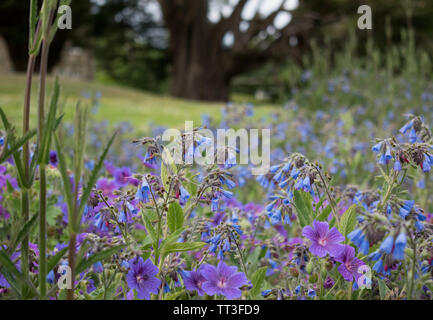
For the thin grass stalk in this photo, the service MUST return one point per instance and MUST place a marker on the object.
(42, 166)
(42, 174)
(25, 199)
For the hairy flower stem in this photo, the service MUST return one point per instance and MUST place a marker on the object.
(71, 262)
(349, 290)
(388, 191)
(330, 199)
(25, 198)
(42, 174)
(412, 275)
(241, 257)
(161, 292)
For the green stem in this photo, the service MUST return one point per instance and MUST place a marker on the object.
(412, 276)
(25, 198)
(25, 243)
(388, 192)
(349, 291)
(330, 199)
(42, 174)
(42, 232)
(71, 262)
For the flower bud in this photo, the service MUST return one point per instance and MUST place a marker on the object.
(313, 278)
(310, 266)
(294, 272)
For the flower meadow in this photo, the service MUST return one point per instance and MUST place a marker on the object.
(95, 211)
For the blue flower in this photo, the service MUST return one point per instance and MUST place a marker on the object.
(143, 192)
(306, 186)
(376, 255)
(294, 173)
(406, 127)
(122, 217)
(419, 226)
(98, 267)
(286, 167)
(388, 155)
(364, 248)
(387, 245)
(412, 136)
(426, 164)
(278, 176)
(311, 293)
(274, 169)
(388, 210)
(298, 289)
(270, 206)
(397, 166)
(400, 245)
(265, 293)
(227, 194)
(378, 266)
(382, 160)
(183, 196)
(376, 148)
(406, 208)
(276, 217)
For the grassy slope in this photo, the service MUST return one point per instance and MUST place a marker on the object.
(117, 103)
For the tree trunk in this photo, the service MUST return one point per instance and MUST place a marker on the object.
(198, 65)
(198, 79)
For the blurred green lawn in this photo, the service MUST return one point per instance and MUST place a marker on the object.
(117, 103)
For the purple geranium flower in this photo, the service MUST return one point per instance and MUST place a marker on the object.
(323, 240)
(224, 280)
(141, 277)
(349, 264)
(194, 280)
(122, 175)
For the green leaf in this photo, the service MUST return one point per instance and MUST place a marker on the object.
(105, 254)
(164, 174)
(10, 269)
(174, 295)
(52, 213)
(383, 289)
(175, 216)
(32, 21)
(54, 260)
(348, 221)
(149, 228)
(181, 247)
(49, 126)
(12, 274)
(25, 230)
(11, 280)
(332, 223)
(257, 280)
(80, 128)
(5, 120)
(304, 207)
(16, 145)
(319, 204)
(67, 188)
(323, 216)
(168, 167)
